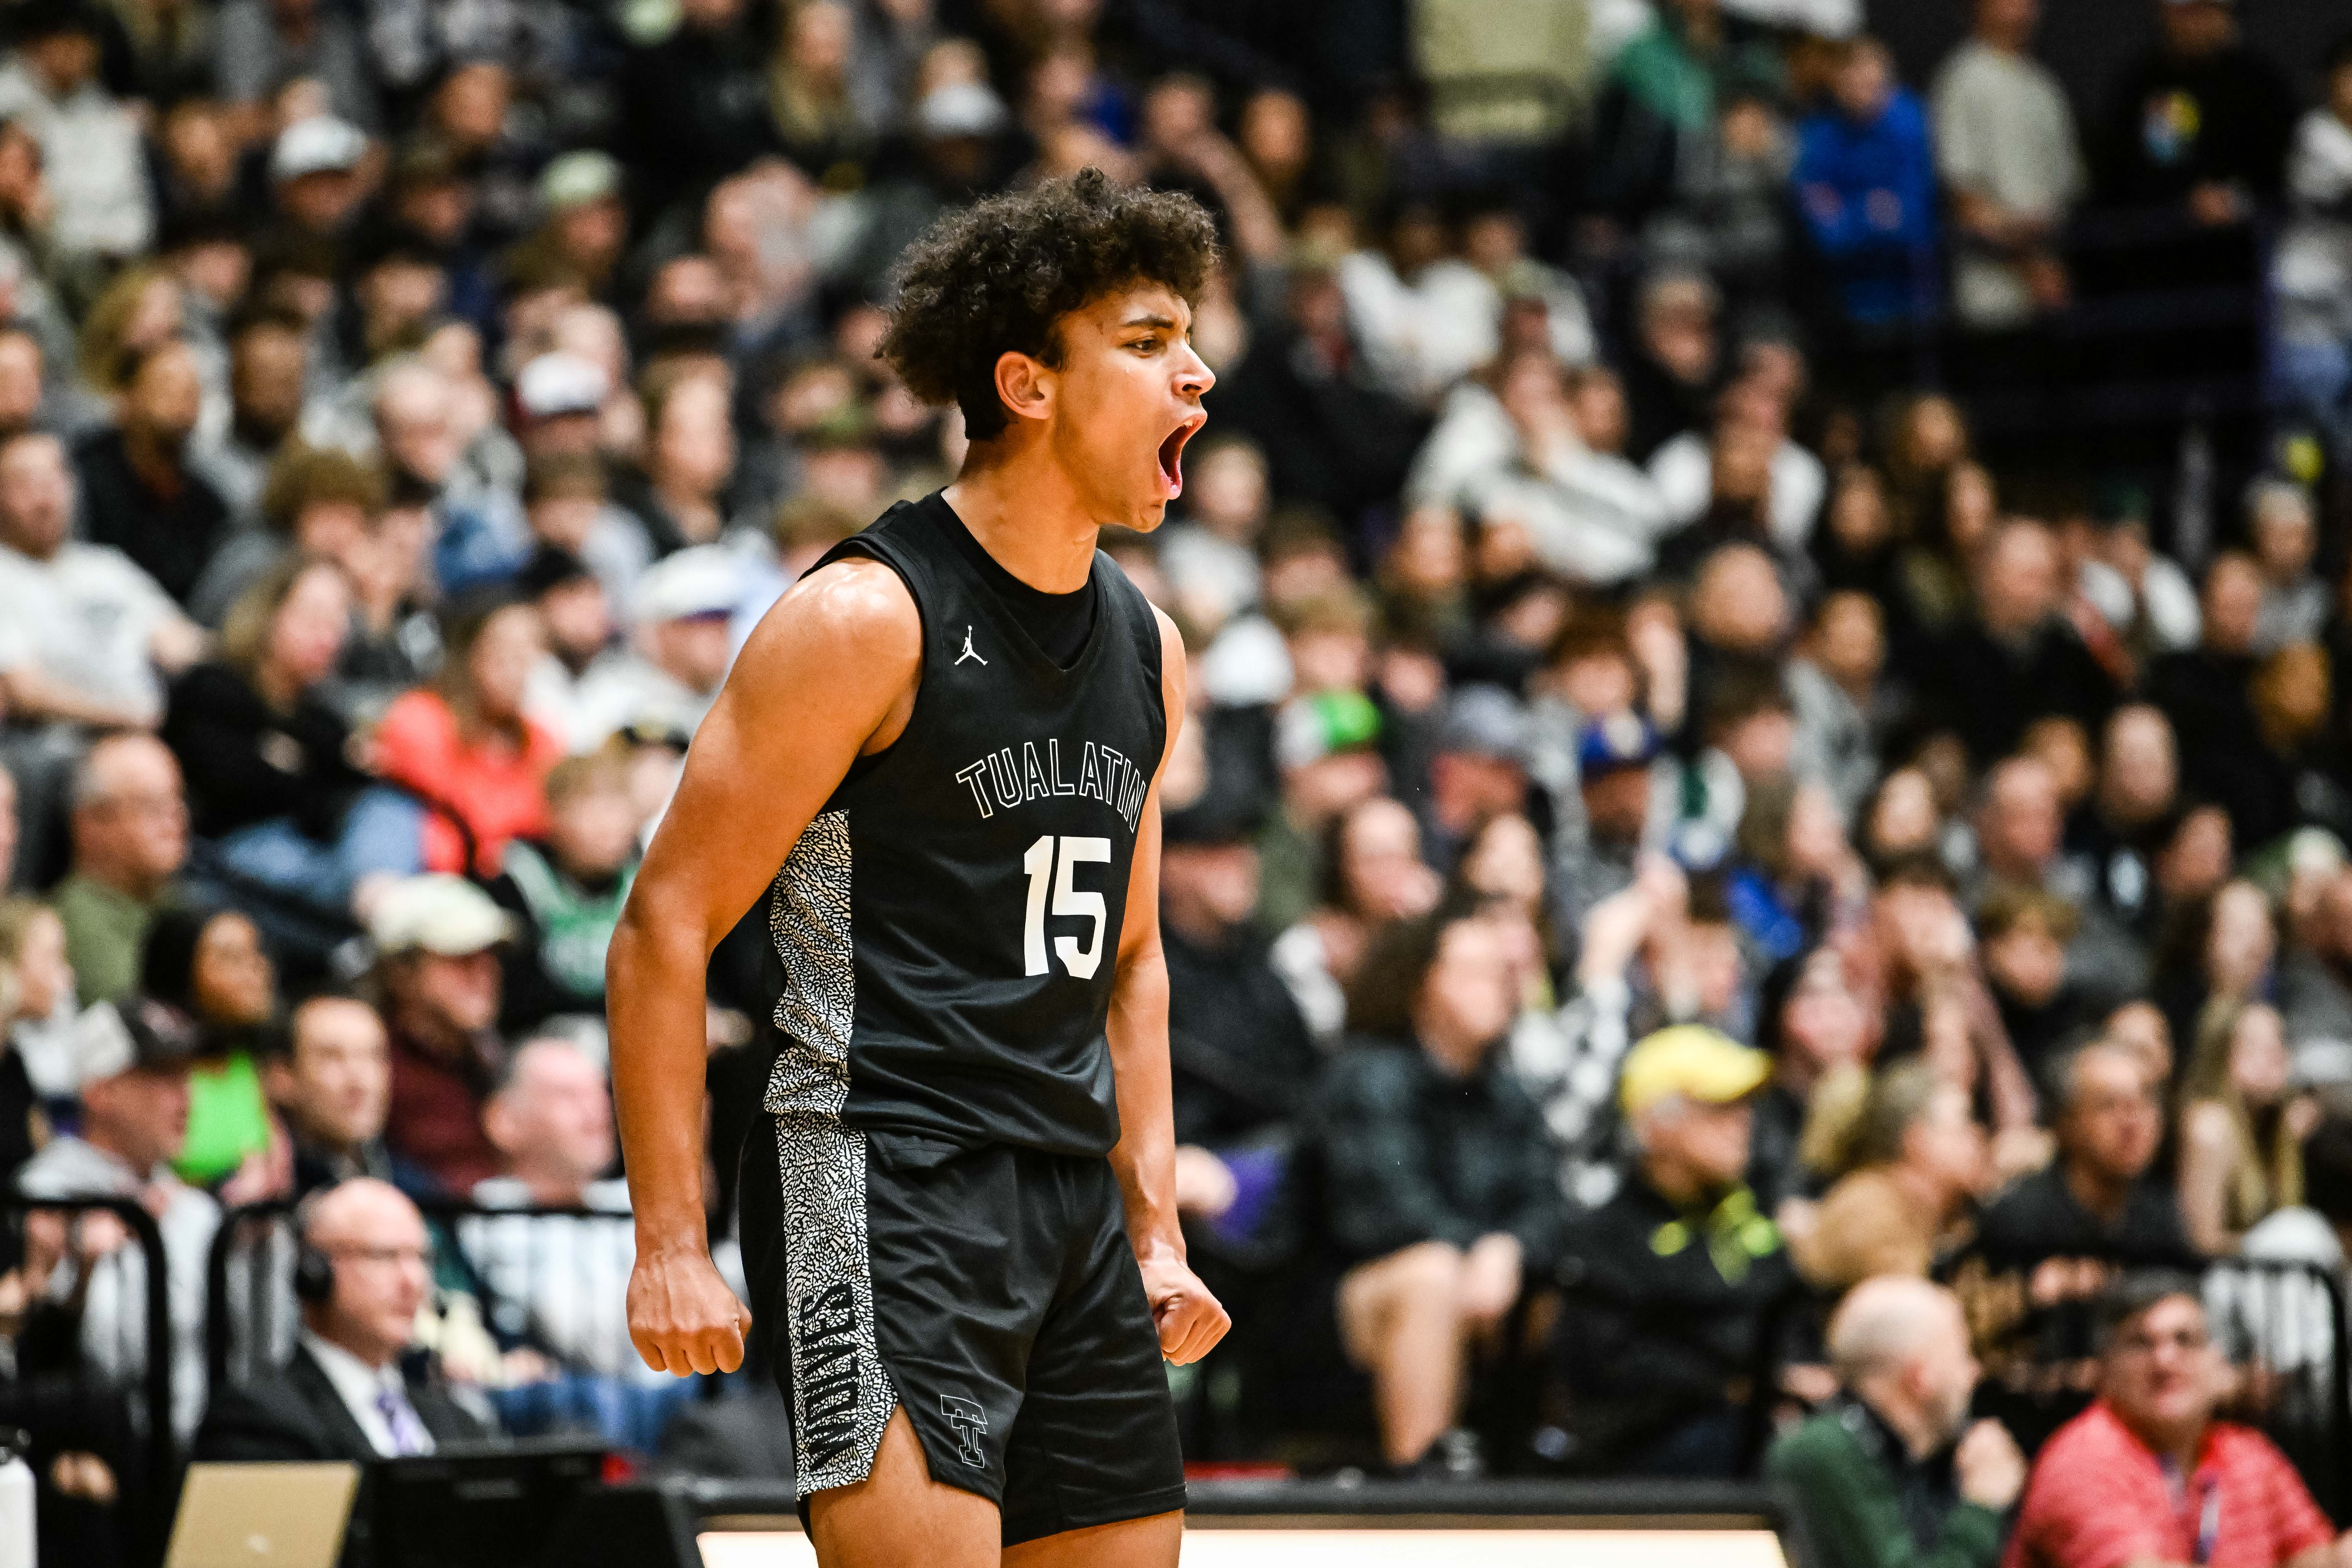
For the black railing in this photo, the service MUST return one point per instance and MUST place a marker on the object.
(67, 1371)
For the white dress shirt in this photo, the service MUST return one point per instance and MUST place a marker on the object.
(360, 1386)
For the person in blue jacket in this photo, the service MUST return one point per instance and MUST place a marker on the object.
(1865, 183)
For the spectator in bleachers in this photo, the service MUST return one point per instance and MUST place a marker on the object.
(1917, 1162)
(565, 892)
(1810, 1022)
(1662, 95)
(2207, 696)
(2097, 1199)
(1614, 758)
(1842, 703)
(2223, 947)
(1478, 770)
(32, 961)
(1893, 1471)
(1323, 745)
(270, 778)
(141, 493)
(130, 833)
(51, 85)
(367, 1265)
(1914, 958)
(2119, 832)
(2024, 934)
(2146, 1474)
(2242, 1127)
(1587, 512)
(689, 459)
(465, 744)
(2314, 974)
(669, 676)
(130, 1065)
(2006, 149)
(2013, 662)
(551, 1120)
(1668, 1283)
(84, 637)
(2284, 533)
(437, 939)
(1242, 1057)
(332, 1085)
(41, 1027)
(314, 502)
(1439, 1178)
(2202, 121)
(577, 612)
(269, 355)
(2018, 827)
(209, 966)
(1865, 180)
(1672, 376)
(1728, 211)
(2312, 274)
(1373, 874)
(1752, 414)
(1333, 437)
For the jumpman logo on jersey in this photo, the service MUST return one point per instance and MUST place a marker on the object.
(968, 652)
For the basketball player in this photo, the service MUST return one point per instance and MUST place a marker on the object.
(959, 1216)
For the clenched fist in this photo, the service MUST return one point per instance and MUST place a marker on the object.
(1190, 1319)
(682, 1317)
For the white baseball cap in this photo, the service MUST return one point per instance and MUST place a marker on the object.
(438, 913)
(707, 580)
(320, 144)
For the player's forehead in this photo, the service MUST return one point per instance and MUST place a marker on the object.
(1132, 308)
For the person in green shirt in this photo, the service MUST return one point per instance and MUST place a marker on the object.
(211, 966)
(130, 831)
(1891, 1473)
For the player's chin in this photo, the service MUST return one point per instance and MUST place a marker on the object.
(1148, 512)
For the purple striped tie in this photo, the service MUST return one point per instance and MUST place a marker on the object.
(408, 1431)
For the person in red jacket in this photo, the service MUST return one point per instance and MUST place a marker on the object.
(464, 744)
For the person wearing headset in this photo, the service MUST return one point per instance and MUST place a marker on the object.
(361, 1273)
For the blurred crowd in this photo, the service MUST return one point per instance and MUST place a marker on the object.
(1683, 811)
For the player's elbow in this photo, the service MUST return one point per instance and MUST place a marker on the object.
(648, 937)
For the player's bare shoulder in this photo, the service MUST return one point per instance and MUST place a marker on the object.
(854, 615)
(843, 646)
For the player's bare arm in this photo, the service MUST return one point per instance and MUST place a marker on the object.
(829, 675)
(1189, 1319)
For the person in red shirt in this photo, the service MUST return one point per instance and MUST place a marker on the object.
(437, 940)
(464, 744)
(2146, 1477)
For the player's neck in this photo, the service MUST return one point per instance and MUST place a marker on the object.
(1026, 512)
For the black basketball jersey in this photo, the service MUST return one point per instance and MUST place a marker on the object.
(948, 926)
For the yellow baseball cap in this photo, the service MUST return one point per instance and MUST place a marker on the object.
(1694, 1061)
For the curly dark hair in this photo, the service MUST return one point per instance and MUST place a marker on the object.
(996, 276)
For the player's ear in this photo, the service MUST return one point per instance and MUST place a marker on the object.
(1024, 386)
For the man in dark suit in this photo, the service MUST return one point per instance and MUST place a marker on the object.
(366, 1267)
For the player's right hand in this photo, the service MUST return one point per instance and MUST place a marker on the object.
(682, 1317)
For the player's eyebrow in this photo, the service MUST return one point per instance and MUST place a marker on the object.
(1161, 323)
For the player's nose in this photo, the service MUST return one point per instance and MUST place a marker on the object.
(1193, 376)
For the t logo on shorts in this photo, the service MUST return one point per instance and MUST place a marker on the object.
(971, 1422)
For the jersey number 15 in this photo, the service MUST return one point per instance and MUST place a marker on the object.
(1038, 862)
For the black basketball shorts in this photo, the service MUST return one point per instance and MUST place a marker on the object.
(990, 1292)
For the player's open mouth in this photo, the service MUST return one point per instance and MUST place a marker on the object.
(1171, 455)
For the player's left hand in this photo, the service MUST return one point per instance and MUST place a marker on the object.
(1189, 1319)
